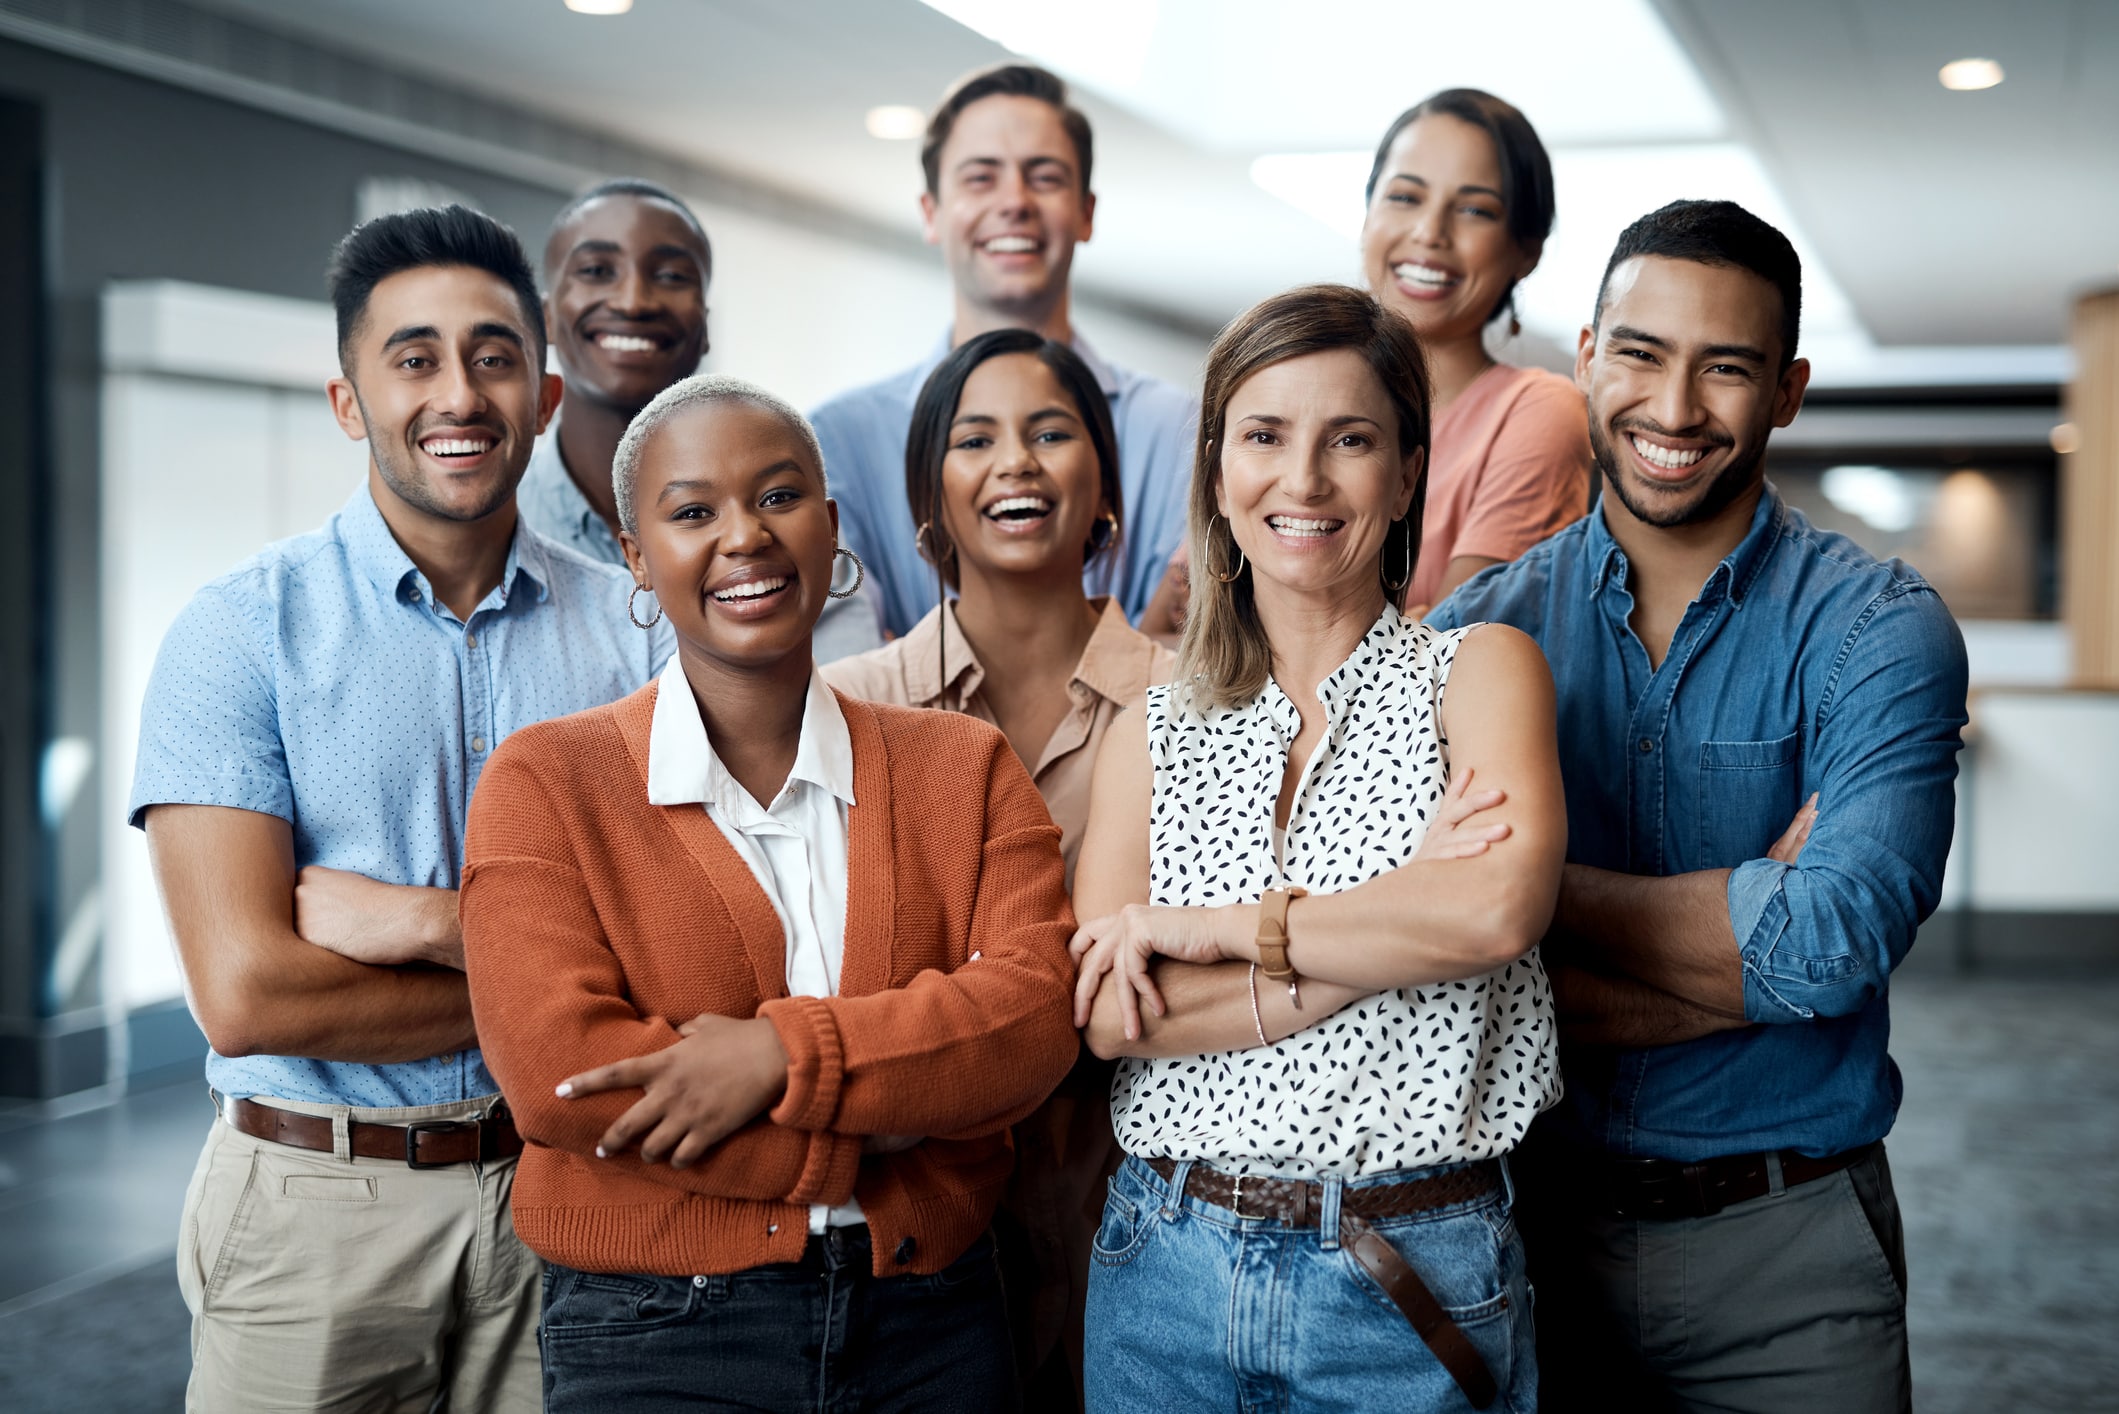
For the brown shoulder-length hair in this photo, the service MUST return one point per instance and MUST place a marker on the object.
(1224, 657)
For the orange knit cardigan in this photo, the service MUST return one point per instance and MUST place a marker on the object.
(595, 923)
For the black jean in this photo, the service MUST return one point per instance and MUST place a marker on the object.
(821, 1334)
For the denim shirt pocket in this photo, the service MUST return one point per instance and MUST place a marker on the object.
(1749, 791)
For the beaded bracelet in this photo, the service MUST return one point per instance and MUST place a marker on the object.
(1257, 1020)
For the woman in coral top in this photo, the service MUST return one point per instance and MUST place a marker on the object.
(765, 973)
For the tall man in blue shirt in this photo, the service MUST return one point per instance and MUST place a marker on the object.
(1759, 728)
(1007, 160)
(315, 725)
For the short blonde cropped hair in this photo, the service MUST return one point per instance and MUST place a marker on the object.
(696, 391)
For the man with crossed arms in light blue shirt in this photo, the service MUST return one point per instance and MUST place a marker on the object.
(315, 725)
(1007, 161)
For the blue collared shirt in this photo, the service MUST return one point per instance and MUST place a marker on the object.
(553, 505)
(321, 682)
(863, 433)
(1804, 665)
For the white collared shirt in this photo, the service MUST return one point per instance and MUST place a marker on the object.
(796, 847)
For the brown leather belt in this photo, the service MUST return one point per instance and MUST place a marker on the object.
(1297, 1203)
(422, 1144)
(1665, 1189)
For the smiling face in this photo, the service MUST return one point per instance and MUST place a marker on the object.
(1684, 380)
(1009, 206)
(735, 534)
(627, 309)
(1435, 246)
(1312, 474)
(1022, 486)
(445, 384)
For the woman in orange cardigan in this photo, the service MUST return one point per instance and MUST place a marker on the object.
(765, 973)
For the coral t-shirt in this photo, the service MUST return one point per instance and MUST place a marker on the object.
(1510, 465)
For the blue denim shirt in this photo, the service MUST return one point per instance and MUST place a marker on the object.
(321, 682)
(863, 434)
(1804, 665)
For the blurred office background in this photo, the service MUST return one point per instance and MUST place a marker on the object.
(173, 175)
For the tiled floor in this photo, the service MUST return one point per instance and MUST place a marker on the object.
(2006, 1158)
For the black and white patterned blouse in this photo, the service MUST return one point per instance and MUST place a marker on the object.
(1405, 1079)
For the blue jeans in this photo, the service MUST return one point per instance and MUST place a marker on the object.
(1193, 1308)
(821, 1334)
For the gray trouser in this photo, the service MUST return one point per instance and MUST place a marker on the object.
(1794, 1302)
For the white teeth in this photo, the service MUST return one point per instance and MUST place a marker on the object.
(625, 343)
(1035, 504)
(455, 447)
(1423, 274)
(1011, 245)
(1300, 525)
(749, 589)
(1665, 457)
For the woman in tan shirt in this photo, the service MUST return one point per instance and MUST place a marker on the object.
(1012, 470)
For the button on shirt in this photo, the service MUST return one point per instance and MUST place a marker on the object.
(1803, 665)
(553, 504)
(796, 847)
(863, 434)
(321, 682)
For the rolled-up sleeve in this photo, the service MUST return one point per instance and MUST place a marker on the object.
(1820, 938)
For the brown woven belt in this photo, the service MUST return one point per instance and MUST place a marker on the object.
(421, 1144)
(1298, 1203)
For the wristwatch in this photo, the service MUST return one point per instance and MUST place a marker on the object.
(1273, 933)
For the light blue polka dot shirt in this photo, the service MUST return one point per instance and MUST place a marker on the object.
(321, 682)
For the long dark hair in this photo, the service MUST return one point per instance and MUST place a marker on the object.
(934, 414)
(1526, 170)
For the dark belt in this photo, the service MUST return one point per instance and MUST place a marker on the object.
(421, 1143)
(1298, 1203)
(1664, 1188)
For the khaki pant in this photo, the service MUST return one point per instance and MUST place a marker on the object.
(355, 1285)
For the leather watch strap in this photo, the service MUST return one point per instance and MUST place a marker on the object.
(1273, 932)
(1442, 1336)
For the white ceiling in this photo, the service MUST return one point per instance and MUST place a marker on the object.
(1930, 218)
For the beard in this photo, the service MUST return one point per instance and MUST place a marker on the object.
(1730, 483)
(399, 468)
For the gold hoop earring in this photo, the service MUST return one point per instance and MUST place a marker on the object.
(1103, 534)
(860, 573)
(1384, 567)
(1241, 563)
(923, 541)
(635, 617)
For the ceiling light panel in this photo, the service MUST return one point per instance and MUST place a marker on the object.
(1252, 75)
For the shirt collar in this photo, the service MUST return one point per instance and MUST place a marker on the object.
(923, 656)
(1735, 574)
(1106, 376)
(1117, 659)
(1114, 663)
(374, 551)
(682, 768)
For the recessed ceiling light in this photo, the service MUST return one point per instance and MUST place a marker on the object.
(1966, 75)
(896, 122)
(599, 7)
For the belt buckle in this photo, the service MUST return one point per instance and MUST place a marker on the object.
(1236, 1200)
(1694, 1178)
(432, 1126)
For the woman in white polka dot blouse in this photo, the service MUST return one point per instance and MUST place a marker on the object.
(1310, 938)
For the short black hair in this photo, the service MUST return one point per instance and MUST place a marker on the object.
(1716, 233)
(635, 187)
(1526, 168)
(1014, 81)
(412, 240)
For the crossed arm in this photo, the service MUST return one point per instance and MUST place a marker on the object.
(1176, 981)
(322, 964)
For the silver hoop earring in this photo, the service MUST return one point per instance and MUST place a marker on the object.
(860, 573)
(629, 613)
(1233, 575)
(1384, 568)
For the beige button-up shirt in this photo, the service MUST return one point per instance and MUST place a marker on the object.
(1116, 669)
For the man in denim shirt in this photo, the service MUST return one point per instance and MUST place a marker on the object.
(1759, 726)
(316, 723)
